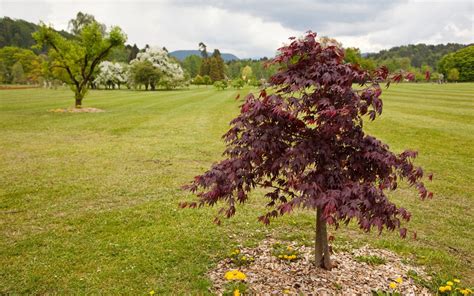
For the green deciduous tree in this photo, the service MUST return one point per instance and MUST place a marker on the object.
(238, 83)
(247, 73)
(81, 21)
(446, 63)
(453, 74)
(198, 80)
(192, 64)
(18, 74)
(144, 73)
(352, 55)
(464, 62)
(207, 80)
(30, 62)
(220, 85)
(79, 57)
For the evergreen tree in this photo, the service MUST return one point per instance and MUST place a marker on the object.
(205, 67)
(218, 64)
(133, 52)
(203, 50)
(214, 71)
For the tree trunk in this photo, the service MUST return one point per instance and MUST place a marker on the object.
(79, 96)
(321, 247)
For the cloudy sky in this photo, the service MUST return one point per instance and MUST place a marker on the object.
(257, 28)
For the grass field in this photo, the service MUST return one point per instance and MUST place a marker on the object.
(88, 202)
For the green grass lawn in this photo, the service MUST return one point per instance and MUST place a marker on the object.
(89, 202)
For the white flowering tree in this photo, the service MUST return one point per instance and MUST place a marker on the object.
(172, 75)
(111, 75)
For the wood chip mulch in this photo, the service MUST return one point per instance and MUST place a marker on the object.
(76, 110)
(268, 275)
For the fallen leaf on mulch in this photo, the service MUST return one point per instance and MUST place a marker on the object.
(268, 275)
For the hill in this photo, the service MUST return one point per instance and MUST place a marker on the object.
(18, 33)
(419, 54)
(182, 54)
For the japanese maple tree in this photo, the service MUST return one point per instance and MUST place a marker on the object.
(304, 142)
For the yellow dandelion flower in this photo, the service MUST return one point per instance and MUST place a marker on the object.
(280, 256)
(399, 280)
(289, 248)
(234, 275)
(285, 256)
(392, 285)
(237, 251)
(442, 289)
(236, 292)
(152, 292)
(449, 283)
(244, 258)
(448, 288)
(456, 281)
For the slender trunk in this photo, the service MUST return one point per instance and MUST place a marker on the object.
(321, 247)
(78, 96)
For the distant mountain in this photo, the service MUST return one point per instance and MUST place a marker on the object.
(182, 54)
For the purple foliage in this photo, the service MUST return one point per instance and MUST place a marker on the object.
(303, 140)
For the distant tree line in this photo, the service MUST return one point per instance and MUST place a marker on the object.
(20, 63)
(451, 62)
(418, 55)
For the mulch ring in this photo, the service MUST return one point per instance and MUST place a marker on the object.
(269, 275)
(76, 110)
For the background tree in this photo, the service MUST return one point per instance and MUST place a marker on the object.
(170, 72)
(198, 80)
(221, 84)
(144, 73)
(30, 63)
(134, 50)
(352, 55)
(207, 80)
(453, 75)
(216, 70)
(238, 83)
(4, 73)
(111, 74)
(82, 20)
(305, 144)
(247, 73)
(463, 61)
(18, 74)
(203, 50)
(79, 57)
(192, 64)
(446, 63)
(119, 54)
